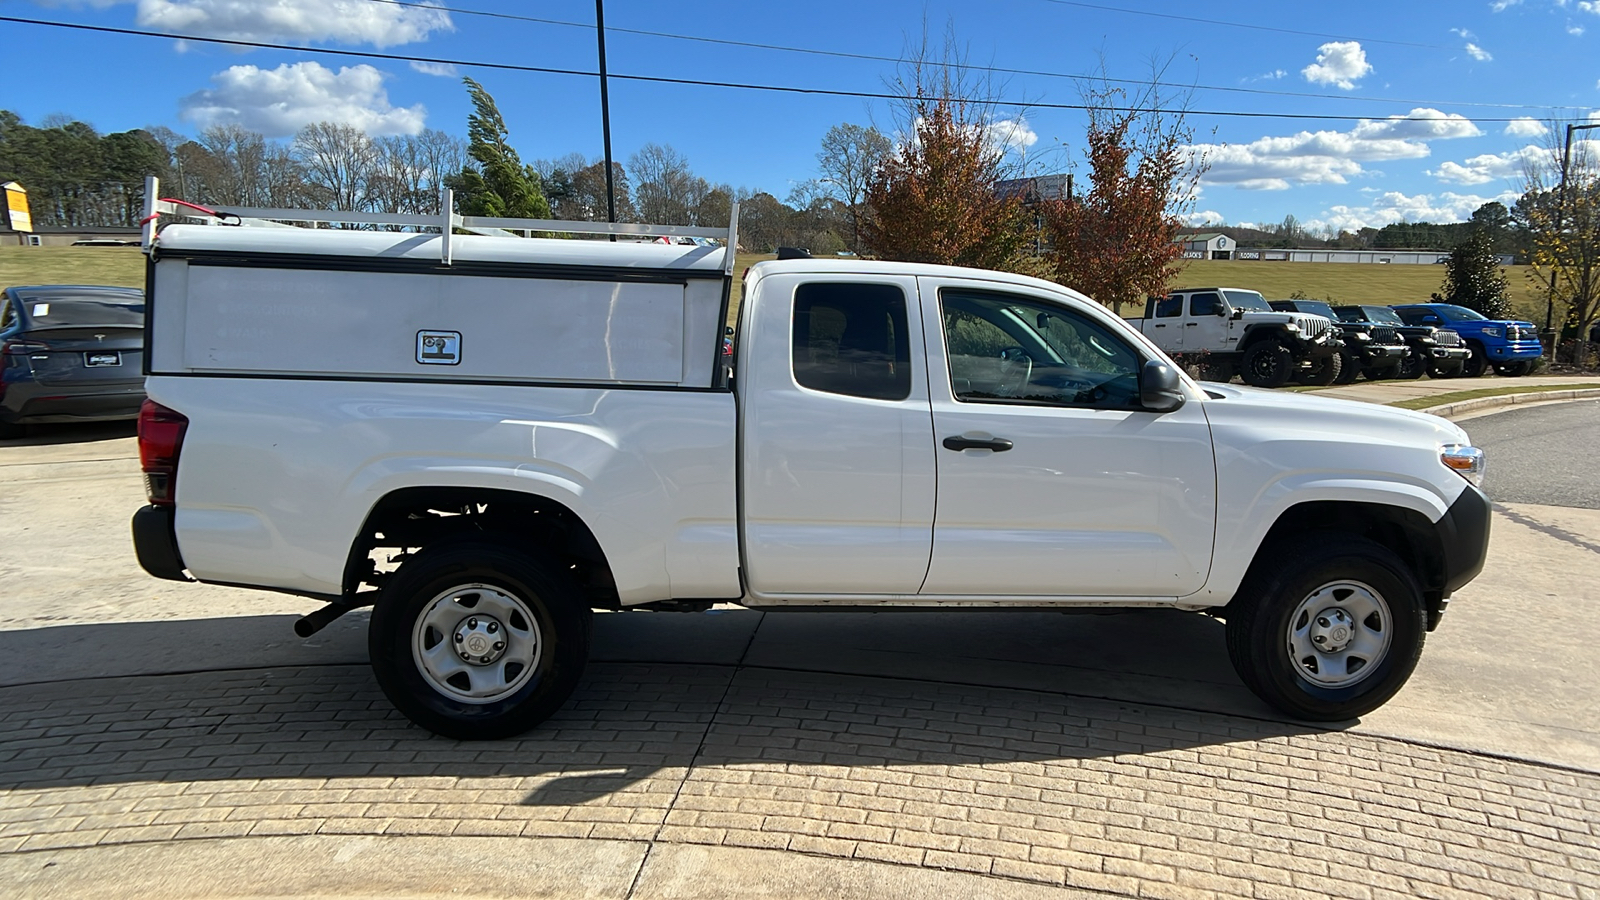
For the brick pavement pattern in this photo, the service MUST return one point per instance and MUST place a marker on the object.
(1142, 801)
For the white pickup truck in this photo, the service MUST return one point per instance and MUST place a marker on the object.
(487, 437)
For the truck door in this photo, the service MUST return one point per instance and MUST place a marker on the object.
(1165, 327)
(1052, 480)
(837, 438)
(1208, 326)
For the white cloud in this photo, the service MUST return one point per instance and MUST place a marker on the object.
(1329, 157)
(278, 102)
(1488, 167)
(1525, 127)
(1339, 63)
(1393, 206)
(1478, 53)
(1503, 5)
(1463, 34)
(1208, 217)
(443, 70)
(340, 21)
(1575, 30)
(1011, 134)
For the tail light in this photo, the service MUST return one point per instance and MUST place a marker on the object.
(160, 440)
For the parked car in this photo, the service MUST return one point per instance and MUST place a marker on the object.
(70, 353)
(1361, 351)
(1231, 329)
(1510, 347)
(1438, 352)
(562, 438)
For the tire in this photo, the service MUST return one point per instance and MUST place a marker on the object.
(1476, 363)
(1412, 366)
(1380, 374)
(1515, 369)
(478, 589)
(1267, 364)
(1280, 618)
(1220, 371)
(1436, 371)
(1349, 367)
(1326, 372)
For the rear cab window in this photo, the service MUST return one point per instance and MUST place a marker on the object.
(852, 339)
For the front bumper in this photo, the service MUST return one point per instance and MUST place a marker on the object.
(1515, 351)
(1464, 534)
(1449, 353)
(155, 542)
(1381, 355)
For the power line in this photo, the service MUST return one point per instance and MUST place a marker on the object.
(1001, 70)
(1249, 25)
(691, 82)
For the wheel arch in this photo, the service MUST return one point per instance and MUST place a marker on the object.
(409, 519)
(1406, 532)
(1258, 333)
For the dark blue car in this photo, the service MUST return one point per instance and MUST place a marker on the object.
(70, 353)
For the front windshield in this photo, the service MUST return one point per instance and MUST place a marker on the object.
(1315, 308)
(1383, 315)
(1247, 300)
(1461, 314)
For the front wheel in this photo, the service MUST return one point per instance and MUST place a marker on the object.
(475, 641)
(1329, 633)
(1267, 364)
(1476, 363)
(1324, 371)
(1349, 367)
(1412, 366)
(1513, 369)
(1435, 370)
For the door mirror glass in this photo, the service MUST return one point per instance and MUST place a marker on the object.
(1160, 389)
(1237, 314)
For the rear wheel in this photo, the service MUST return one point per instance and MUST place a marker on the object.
(1324, 371)
(475, 640)
(1476, 363)
(1327, 627)
(1268, 364)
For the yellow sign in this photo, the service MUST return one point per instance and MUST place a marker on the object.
(17, 207)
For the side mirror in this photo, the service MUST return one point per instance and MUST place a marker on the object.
(1432, 320)
(1222, 311)
(1237, 314)
(1160, 389)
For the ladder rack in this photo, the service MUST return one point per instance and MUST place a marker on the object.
(446, 223)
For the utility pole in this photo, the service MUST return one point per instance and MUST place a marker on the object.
(1561, 207)
(605, 112)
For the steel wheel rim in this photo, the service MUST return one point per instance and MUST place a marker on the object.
(453, 643)
(1340, 634)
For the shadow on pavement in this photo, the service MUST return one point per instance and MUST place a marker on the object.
(894, 691)
(73, 433)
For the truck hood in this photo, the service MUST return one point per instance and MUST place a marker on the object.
(1310, 325)
(1329, 417)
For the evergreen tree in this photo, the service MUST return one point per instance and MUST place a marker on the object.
(1473, 277)
(500, 185)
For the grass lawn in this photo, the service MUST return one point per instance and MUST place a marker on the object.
(116, 266)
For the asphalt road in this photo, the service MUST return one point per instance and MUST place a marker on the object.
(1542, 454)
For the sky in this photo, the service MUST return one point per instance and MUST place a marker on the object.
(1343, 115)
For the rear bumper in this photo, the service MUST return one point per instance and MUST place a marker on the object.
(155, 542)
(28, 401)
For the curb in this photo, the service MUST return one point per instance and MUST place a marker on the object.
(1449, 409)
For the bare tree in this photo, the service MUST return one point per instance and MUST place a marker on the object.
(1560, 210)
(850, 155)
(339, 163)
(665, 190)
(410, 171)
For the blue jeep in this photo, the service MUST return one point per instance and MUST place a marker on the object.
(1510, 347)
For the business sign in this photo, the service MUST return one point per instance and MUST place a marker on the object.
(1247, 254)
(17, 207)
(1194, 254)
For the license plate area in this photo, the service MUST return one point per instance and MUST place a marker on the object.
(97, 360)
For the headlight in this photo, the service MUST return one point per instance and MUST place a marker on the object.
(1362, 336)
(1465, 460)
(1291, 328)
(1491, 331)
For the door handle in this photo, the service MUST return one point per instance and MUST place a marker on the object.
(958, 443)
(1190, 324)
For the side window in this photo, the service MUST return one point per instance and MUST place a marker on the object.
(1169, 307)
(8, 313)
(1008, 349)
(1205, 305)
(851, 339)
